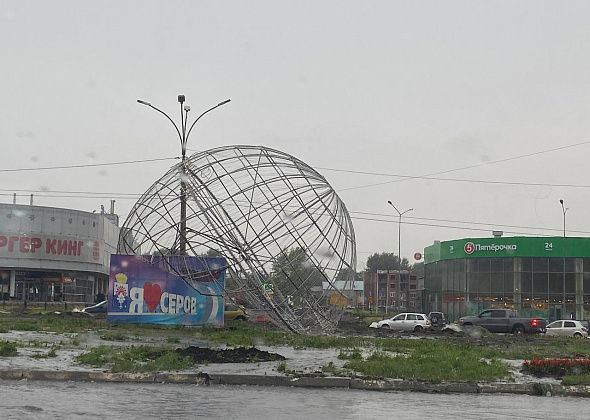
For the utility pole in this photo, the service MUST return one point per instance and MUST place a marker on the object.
(399, 251)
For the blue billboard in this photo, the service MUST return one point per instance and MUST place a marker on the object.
(174, 290)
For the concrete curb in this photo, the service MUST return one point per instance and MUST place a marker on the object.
(537, 388)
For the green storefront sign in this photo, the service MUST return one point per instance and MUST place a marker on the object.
(517, 246)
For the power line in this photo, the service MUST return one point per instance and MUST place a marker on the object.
(442, 226)
(131, 196)
(426, 176)
(430, 178)
(495, 225)
(87, 165)
(49, 193)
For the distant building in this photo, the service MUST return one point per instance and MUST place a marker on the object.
(396, 290)
(52, 254)
(353, 291)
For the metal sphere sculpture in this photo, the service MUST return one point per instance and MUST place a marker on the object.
(284, 232)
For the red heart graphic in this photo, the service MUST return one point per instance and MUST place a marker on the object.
(151, 295)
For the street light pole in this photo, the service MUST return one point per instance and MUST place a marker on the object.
(399, 250)
(183, 135)
(564, 209)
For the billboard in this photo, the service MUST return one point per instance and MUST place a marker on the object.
(174, 290)
(516, 246)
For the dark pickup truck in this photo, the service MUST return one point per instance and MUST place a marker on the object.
(505, 321)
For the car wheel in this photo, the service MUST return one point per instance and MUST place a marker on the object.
(418, 328)
(385, 326)
(577, 335)
(518, 330)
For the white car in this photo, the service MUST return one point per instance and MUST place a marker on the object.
(567, 328)
(407, 321)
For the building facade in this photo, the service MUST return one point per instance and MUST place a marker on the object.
(537, 276)
(349, 293)
(392, 290)
(52, 254)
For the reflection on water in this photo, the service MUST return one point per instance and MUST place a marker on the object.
(67, 400)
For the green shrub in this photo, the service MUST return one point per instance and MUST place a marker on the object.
(7, 349)
(354, 354)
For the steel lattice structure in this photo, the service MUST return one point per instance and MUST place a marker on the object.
(281, 227)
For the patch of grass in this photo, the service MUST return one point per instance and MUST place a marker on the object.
(331, 369)
(531, 347)
(248, 335)
(576, 380)
(282, 367)
(48, 322)
(36, 344)
(354, 354)
(171, 339)
(135, 359)
(114, 336)
(8, 349)
(456, 363)
(51, 353)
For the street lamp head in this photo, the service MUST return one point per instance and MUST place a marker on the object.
(561, 201)
(187, 108)
(390, 203)
(144, 102)
(181, 99)
(224, 102)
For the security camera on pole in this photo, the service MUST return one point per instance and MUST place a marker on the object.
(183, 135)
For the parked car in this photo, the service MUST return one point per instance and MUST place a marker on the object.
(99, 308)
(505, 321)
(437, 319)
(567, 328)
(234, 312)
(407, 321)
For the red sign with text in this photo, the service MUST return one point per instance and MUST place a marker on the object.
(46, 247)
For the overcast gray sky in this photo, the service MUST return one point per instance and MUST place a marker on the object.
(390, 87)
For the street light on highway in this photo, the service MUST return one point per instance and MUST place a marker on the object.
(399, 250)
(564, 209)
(183, 135)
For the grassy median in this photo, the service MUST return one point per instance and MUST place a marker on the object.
(428, 356)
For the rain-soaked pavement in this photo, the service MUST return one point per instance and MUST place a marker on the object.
(67, 400)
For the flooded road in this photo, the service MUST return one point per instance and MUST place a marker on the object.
(67, 400)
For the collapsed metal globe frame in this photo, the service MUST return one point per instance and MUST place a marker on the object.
(284, 232)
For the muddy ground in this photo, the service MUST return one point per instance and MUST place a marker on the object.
(202, 355)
